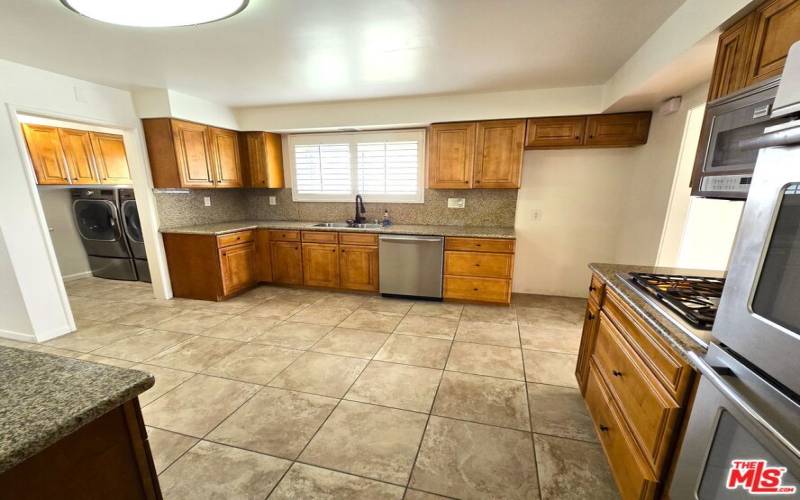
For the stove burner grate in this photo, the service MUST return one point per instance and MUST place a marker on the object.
(695, 298)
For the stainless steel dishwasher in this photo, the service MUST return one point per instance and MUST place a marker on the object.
(411, 265)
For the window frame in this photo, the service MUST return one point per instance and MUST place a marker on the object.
(352, 139)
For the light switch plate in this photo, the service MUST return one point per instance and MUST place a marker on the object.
(207, 201)
(456, 202)
(536, 214)
(273, 200)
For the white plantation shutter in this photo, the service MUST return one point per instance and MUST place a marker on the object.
(322, 168)
(385, 166)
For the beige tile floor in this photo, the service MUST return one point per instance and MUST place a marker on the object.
(294, 393)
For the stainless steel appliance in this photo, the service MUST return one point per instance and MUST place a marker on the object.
(129, 212)
(411, 265)
(726, 156)
(743, 434)
(97, 218)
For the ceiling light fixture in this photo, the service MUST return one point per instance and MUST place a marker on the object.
(156, 13)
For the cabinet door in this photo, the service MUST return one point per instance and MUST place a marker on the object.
(451, 154)
(557, 132)
(733, 57)
(617, 130)
(287, 262)
(358, 268)
(237, 267)
(110, 158)
(320, 265)
(192, 153)
(777, 27)
(498, 154)
(263, 157)
(77, 145)
(46, 153)
(225, 157)
(590, 322)
(263, 256)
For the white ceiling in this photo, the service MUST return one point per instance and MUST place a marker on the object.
(288, 51)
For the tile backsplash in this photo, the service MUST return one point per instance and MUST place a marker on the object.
(483, 207)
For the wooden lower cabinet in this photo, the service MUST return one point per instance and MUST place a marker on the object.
(637, 390)
(263, 264)
(320, 265)
(478, 269)
(237, 266)
(358, 268)
(287, 262)
(108, 457)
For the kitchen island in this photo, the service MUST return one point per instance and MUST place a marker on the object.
(72, 429)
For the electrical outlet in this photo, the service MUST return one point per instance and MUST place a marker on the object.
(207, 201)
(456, 202)
(273, 200)
(536, 214)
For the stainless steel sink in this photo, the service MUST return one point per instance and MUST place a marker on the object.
(345, 224)
(332, 224)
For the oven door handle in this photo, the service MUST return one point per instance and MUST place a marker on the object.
(711, 374)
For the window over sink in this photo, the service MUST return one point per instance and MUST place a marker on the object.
(382, 166)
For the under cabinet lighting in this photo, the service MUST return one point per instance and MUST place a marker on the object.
(156, 13)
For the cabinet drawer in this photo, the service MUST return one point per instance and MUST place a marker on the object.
(596, 289)
(319, 237)
(275, 235)
(478, 289)
(671, 370)
(479, 245)
(650, 412)
(631, 474)
(237, 238)
(486, 265)
(361, 239)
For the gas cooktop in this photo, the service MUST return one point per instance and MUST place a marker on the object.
(694, 298)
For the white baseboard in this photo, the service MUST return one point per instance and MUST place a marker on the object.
(22, 337)
(76, 276)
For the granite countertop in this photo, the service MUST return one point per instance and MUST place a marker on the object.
(44, 398)
(675, 336)
(230, 227)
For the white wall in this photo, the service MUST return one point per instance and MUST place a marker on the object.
(158, 103)
(71, 256)
(650, 185)
(36, 307)
(581, 195)
(709, 234)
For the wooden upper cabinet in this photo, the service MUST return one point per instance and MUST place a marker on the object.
(777, 27)
(555, 132)
(237, 267)
(47, 155)
(358, 268)
(227, 168)
(733, 58)
(262, 159)
(110, 158)
(615, 130)
(287, 262)
(451, 155)
(498, 154)
(320, 265)
(79, 156)
(193, 154)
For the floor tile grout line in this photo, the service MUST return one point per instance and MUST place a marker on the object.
(530, 414)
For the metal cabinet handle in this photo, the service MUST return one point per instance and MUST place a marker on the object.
(592, 288)
(590, 316)
(474, 289)
(616, 373)
(729, 392)
(603, 428)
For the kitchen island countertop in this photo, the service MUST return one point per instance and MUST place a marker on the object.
(425, 230)
(44, 398)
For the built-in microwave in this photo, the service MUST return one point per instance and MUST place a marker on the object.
(726, 155)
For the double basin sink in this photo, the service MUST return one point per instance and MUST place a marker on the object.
(348, 225)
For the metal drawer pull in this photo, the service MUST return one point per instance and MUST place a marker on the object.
(616, 373)
(603, 428)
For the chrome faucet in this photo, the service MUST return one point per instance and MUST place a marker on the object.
(360, 210)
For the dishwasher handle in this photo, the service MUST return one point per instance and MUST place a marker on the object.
(423, 239)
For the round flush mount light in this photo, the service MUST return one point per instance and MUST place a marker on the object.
(156, 13)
